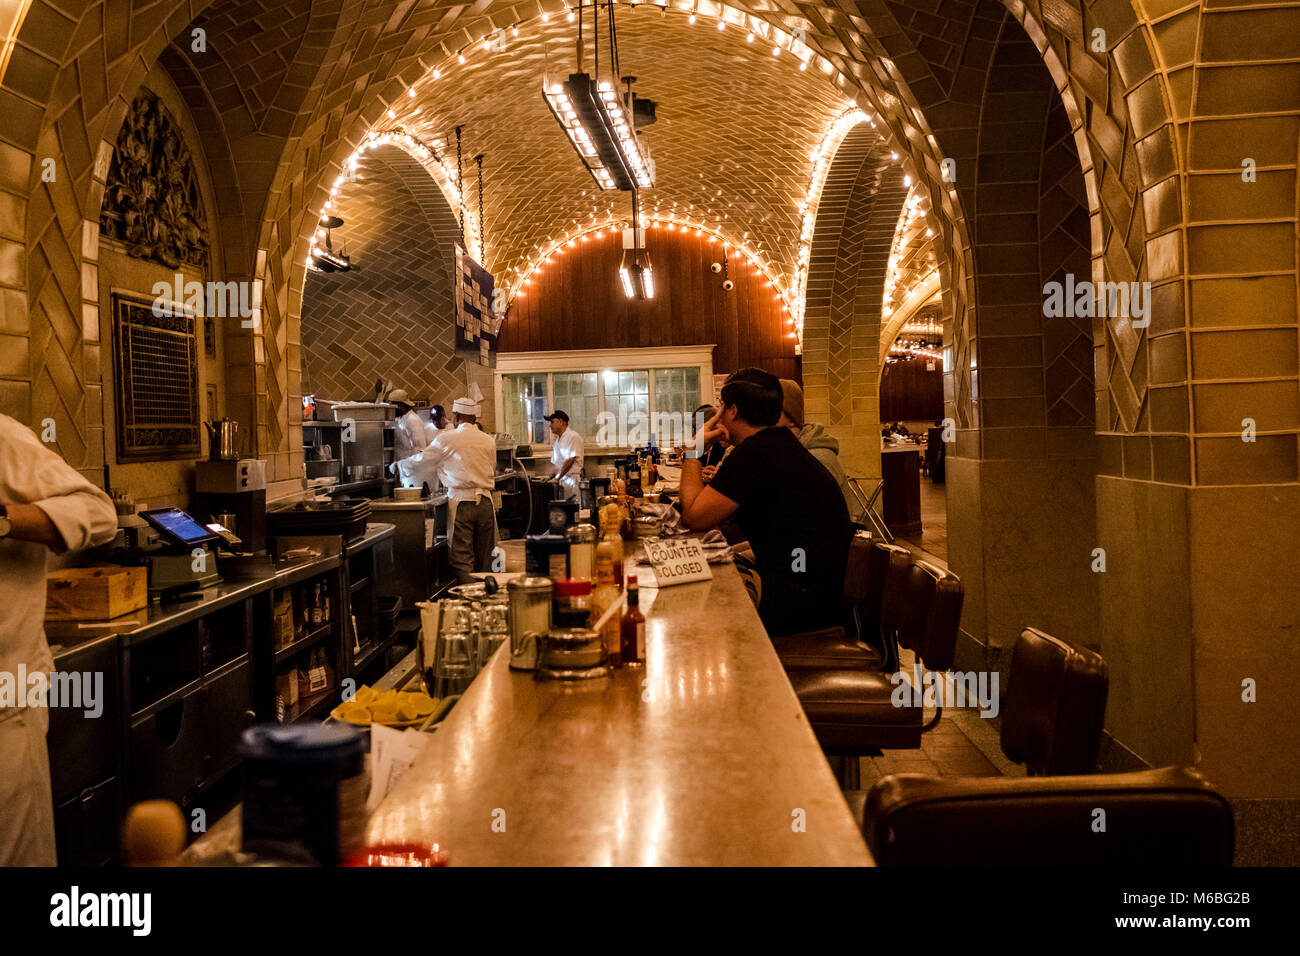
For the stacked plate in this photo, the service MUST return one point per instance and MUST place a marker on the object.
(345, 516)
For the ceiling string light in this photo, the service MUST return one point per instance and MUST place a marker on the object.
(821, 164)
(544, 252)
(792, 296)
(422, 152)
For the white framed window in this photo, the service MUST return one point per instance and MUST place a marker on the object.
(615, 398)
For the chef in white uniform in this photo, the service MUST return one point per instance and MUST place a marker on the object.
(409, 434)
(464, 459)
(45, 506)
(566, 455)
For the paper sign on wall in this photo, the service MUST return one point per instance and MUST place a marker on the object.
(677, 561)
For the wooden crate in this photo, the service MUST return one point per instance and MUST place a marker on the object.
(95, 594)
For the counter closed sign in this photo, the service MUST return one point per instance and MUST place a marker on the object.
(678, 561)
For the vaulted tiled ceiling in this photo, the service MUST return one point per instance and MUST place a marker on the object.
(733, 142)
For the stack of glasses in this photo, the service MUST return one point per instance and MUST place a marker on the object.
(471, 625)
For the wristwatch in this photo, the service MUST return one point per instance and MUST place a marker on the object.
(5, 524)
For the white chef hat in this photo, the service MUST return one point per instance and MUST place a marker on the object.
(470, 404)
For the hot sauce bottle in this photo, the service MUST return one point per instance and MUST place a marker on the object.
(632, 628)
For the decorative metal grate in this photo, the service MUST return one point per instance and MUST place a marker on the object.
(155, 358)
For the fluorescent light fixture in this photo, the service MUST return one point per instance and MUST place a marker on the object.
(600, 127)
(638, 280)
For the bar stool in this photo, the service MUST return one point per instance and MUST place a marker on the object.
(865, 585)
(1052, 711)
(1172, 816)
(1052, 722)
(852, 712)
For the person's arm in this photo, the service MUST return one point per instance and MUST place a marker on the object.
(703, 507)
(46, 500)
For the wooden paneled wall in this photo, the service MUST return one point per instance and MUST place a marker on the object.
(576, 301)
(911, 392)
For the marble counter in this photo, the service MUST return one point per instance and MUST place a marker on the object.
(702, 757)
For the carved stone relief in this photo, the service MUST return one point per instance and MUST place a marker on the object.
(152, 202)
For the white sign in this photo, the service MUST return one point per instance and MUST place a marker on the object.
(677, 561)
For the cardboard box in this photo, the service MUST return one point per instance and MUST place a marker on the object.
(95, 594)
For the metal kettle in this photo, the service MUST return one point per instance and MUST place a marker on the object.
(223, 440)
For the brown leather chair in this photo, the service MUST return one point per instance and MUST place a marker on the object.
(1052, 709)
(865, 585)
(1055, 703)
(1166, 817)
(852, 712)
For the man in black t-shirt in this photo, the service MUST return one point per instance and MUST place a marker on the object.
(789, 506)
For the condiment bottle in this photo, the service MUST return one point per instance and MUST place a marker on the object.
(613, 542)
(582, 548)
(632, 627)
(605, 595)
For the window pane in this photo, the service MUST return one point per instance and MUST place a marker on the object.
(625, 383)
(580, 401)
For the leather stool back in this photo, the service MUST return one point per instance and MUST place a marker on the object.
(929, 624)
(887, 581)
(1055, 702)
(1166, 817)
(858, 570)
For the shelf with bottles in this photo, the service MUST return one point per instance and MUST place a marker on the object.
(300, 689)
(303, 613)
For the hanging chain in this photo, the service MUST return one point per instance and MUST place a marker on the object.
(482, 252)
(460, 189)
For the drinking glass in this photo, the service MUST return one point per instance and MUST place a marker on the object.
(453, 664)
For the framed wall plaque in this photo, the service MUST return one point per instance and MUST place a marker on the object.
(155, 363)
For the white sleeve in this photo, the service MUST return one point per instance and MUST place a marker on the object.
(415, 427)
(32, 474)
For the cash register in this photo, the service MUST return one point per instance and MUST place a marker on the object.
(180, 556)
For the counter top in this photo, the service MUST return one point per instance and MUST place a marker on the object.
(702, 757)
(155, 618)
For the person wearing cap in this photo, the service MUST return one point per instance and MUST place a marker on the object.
(566, 455)
(464, 459)
(797, 527)
(813, 437)
(409, 437)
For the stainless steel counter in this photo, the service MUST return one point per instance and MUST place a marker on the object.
(156, 618)
(702, 757)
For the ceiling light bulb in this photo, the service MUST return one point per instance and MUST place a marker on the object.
(750, 38)
(691, 19)
(803, 65)
(776, 51)
(461, 58)
(722, 25)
